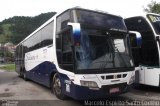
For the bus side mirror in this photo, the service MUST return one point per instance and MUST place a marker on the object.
(135, 38)
(76, 31)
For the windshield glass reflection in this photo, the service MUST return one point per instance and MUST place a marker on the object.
(100, 49)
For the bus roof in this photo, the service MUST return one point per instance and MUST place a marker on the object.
(53, 18)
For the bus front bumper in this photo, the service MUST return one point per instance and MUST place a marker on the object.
(85, 93)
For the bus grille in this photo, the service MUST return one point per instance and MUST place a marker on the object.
(113, 76)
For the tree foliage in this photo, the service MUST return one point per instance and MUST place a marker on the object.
(15, 29)
(1, 29)
(153, 7)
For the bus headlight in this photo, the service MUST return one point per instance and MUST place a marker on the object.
(90, 84)
(132, 79)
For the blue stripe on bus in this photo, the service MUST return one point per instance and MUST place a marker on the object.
(42, 72)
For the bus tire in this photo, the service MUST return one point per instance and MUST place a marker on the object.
(136, 85)
(20, 74)
(24, 75)
(56, 87)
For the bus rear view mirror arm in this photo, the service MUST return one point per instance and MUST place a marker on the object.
(76, 31)
(76, 28)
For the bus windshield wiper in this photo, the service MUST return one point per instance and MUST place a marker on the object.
(120, 55)
(111, 52)
(115, 48)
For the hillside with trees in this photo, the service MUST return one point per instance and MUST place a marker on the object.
(17, 28)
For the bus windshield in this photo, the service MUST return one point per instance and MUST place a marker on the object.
(155, 20)
(103, 42)
(101, 49)
(97, 19)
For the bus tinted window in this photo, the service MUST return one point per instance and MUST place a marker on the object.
(61, 23)
(140, 24)
(137, 24)
(62, 20)
(40, 39)
(155, 20)
(67, 50)
(18, 51)
(100, 19)
(35, 41)
(25, 46)
(148, 51)
(47, 35)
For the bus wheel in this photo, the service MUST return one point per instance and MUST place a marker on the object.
(24, 76)
(57, 87)
(20, 74)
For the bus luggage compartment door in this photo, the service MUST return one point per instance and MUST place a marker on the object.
(152, 76)
(141, 75)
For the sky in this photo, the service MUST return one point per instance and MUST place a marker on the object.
(124, 8)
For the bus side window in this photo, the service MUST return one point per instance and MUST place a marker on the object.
(64, 42)
(67, 54)
(59, 49)
(47, 35)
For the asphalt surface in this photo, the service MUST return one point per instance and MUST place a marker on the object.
(14, 91)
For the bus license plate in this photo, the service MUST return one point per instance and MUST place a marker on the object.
(114, 90)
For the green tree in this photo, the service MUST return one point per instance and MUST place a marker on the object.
(153, 7)
(15, 29)
(1, 29)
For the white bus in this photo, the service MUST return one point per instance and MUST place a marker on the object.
(146, 56)
(80, 53)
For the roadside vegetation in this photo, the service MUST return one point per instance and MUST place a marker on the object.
(8, 67)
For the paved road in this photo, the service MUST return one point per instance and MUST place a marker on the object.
(13, 89)
(29, 93)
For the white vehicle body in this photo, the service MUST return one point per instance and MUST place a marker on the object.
(41, 63)
(148, 54)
